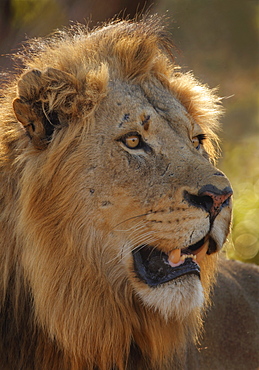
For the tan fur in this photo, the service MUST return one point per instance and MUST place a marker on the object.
(75, 201)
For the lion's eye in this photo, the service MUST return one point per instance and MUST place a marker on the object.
(198, 140)
(132, 142)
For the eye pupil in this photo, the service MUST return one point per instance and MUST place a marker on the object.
(132, 141)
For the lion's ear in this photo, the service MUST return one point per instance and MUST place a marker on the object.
(32, 121)
(45, 102)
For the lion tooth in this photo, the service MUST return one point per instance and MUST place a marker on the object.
(174, 256)
(184, 256)
(201, 253)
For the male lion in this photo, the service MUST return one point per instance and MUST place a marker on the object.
(112, 212)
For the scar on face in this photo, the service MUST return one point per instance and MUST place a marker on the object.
(125, 118)
(145, 121)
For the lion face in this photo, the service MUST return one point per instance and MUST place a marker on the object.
(164, 204)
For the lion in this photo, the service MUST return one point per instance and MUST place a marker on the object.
(113, 214)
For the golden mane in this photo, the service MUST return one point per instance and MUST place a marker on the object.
(47, 229)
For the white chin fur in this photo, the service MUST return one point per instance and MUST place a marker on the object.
(174, 299)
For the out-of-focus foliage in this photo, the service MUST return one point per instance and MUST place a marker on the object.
(218, 40)
(26, 14)
(22, 19)
(241, 162)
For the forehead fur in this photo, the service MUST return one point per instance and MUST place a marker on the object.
(130, 49)
(125, 50)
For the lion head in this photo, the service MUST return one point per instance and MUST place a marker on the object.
(113, 212)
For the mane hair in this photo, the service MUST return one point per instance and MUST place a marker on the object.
(68, 314)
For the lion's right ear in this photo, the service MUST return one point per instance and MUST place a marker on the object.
(45, 102)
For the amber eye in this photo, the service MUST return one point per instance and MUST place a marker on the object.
(132, 142)
(197, 141)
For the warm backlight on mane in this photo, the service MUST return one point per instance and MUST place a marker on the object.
(112, 214)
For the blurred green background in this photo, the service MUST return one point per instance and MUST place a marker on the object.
(218, 41)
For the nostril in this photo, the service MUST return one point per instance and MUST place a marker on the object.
(210, 199)
(205, 202)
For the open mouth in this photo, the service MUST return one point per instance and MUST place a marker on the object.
(155, 267)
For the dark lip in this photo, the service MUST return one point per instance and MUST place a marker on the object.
(152, 267)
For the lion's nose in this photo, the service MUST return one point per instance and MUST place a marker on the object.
(211, 199)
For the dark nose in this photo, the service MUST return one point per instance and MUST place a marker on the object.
(211, 199)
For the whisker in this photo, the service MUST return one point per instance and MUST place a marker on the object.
(127, 249)
(145, 245)
(137, 237)
(142, 245)
(134, 239)
(132, 218)
(136, 227)
(142, 238)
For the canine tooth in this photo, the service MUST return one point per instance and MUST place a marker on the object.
(202, 251)
(174, 256)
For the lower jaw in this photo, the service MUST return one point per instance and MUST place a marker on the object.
(175, 299)
(156, 278)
